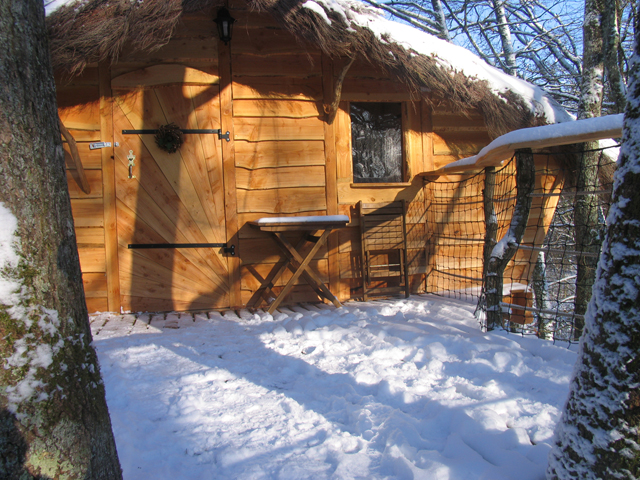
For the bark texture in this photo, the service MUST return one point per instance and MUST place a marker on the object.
(441, 20)
(505, 37)
(54, 421)
(612, 60)
(598, 435)
(591, 85)
(541, 294)
(505, 249)
(586, 231)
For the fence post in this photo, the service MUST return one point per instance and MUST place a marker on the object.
(490, 218)
(491, 232)
(504, 250)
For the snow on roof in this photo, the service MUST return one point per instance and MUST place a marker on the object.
(337, 14)
(448, 55)
(51, 6)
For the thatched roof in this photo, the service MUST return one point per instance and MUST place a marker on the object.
(87, 31)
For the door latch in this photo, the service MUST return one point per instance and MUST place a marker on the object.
(96, 145)
(132, 163)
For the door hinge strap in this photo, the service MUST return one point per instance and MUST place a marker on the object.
(231, 250)
(221, 136)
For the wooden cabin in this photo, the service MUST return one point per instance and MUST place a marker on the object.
(290, 87)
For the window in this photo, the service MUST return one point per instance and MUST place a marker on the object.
(376, 142)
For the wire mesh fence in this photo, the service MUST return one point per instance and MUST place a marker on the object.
(547, 283)
(455, 220)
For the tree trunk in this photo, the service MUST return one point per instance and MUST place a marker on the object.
(611, 49)
(591, 84)
(597, 437)
(505, 37)
(441, 20)
(490, 217)
(490, 240)
(541, 294)
(504, 250)
(54, 421)
(586, 231)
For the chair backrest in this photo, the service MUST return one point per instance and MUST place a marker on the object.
(382, 225)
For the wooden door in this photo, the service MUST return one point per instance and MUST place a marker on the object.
(175, 198)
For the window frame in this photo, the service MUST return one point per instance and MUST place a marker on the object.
(403, 136)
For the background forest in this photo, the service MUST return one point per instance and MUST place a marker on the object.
(540, 41)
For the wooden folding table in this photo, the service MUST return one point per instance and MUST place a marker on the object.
(293, 258)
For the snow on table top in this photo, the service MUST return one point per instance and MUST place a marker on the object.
(303, 220)
(397, 389)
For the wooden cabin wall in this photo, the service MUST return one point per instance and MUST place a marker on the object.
(79, 110)
(279, 136)
(193, 44)
(365, 82)
(549, 180)
(284, 158)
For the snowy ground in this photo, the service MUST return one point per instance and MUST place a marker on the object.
(397, 389)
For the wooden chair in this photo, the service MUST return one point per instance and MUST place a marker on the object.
(383, 235)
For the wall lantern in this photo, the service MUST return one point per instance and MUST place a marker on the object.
(225, 22)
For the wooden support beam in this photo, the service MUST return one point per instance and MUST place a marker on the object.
(229, 172)
(109, 190)
(331, 179)
(427, 163)
(75, 155)
(332, 109)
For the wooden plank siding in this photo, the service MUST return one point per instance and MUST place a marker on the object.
(279, 135)
(328, 81)
(365, 82)
(79, 109)
(109, 189)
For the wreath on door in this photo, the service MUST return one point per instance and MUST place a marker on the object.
(169, 138)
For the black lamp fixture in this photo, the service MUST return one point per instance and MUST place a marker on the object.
(225, 22)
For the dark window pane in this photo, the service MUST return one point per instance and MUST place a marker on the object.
(376, 139)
